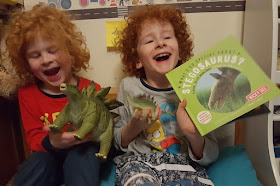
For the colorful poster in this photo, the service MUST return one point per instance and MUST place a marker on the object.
(113, 28)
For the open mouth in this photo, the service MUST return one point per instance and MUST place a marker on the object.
(52, 72)
(162, 57)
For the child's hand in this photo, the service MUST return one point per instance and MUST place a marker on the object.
(64, 140)
(144, 118)
(189, 130)
(184, 121)
(137, 124)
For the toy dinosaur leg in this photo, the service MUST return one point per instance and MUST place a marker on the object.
(105, 141)
(86, 127)
(60, 121)
(90, 119)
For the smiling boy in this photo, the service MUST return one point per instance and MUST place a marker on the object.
(155, 41)
(46, 49)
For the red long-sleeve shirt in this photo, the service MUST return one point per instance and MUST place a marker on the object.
(38, 109)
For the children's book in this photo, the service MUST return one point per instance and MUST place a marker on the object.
(221, 85)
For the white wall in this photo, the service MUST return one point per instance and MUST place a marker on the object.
(105, 67)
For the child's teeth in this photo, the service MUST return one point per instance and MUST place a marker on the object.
(161, 55)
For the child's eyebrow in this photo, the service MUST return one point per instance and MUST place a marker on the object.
(28, 52)
(162, 32)
(147, 35)
(167, 31)
(35, 50)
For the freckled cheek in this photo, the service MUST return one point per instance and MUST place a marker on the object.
(63, 59)
(36, 71)
(145, 53)
(141, 55)
(34, 66)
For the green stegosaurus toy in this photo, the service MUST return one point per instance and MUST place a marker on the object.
(89, 111)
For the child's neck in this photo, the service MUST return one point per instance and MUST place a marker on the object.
(159, 83)
(55, 90)
(51, 90)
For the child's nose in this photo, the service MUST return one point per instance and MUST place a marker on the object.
(160, 43)
(47, 58)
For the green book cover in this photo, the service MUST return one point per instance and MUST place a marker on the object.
(221, 84)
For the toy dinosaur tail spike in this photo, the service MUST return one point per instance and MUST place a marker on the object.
(102, 92)
(112, 104)
(84, 91)
(91, 89)
(114, 114)
(145, 97)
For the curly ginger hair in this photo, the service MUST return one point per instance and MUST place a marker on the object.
(51, 24)
(126, 42)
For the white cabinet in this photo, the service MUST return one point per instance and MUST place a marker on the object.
(261, 41)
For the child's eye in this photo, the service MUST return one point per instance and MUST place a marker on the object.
(53, 51)
(168, 37)
(149, 41)
(33, 55)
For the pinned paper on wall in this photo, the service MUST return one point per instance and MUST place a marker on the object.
(113, 28)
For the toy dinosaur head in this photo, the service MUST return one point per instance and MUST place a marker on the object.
(70, 91)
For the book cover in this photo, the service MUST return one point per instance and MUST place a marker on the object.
(221, 84)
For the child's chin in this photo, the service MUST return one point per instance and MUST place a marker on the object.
(55, 83)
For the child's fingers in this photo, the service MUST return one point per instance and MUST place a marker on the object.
(89, 136)
(183, 104)
(137, 113)
(158, 112)
(46, 128)
(147, 113)
(140, 114)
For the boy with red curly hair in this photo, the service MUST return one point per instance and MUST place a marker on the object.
(46, 50)
(169, 150)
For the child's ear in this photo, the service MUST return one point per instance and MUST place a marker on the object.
(139, 65)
